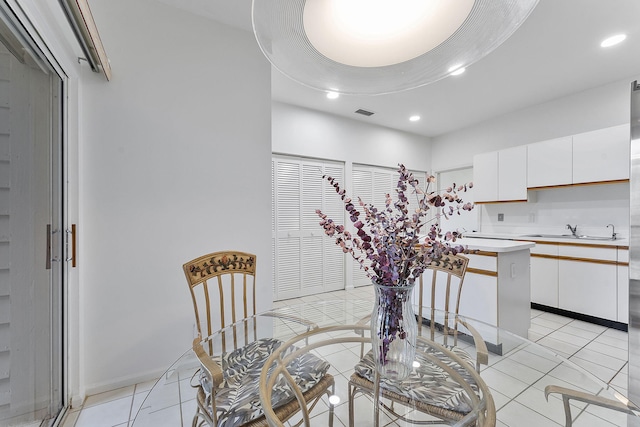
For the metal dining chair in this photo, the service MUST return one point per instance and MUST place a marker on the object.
(223, 290)
(569, 394)
(428, 389)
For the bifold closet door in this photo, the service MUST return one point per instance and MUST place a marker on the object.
(306, 261)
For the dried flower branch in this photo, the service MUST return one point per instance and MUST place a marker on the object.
(390, 238)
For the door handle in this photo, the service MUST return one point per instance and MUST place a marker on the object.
(71, 234)
(48, 262)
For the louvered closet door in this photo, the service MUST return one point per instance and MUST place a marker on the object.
(305, 260)
(333, 206)
(287, 232)
(362, 181)
(372, 184)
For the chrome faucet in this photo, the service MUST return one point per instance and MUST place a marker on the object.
(613, 231)
(573, 229)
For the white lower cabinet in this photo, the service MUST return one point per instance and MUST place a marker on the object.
(623, 285)
(588, 288)
(544, 281)
(479, 298)
(586, 280)
(623, 293)
(496, 290)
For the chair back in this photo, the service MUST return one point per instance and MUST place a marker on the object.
(223, 289)
(447, 278)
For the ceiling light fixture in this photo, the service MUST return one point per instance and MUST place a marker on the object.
(613, 40)
(370, 47)
(332, 95)
(414, 118)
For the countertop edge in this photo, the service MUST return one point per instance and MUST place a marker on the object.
(619, 243)
(494, 245)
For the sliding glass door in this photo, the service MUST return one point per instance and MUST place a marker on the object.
(31, 234)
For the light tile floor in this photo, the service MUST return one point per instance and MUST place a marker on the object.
(600, 350)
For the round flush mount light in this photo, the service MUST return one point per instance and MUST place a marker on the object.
(613, 40)
(369, 47)
(414, 118)
(333, 95)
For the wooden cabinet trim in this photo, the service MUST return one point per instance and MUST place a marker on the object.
(577, 259)
(482, 272)
(483, 253)
(500, 201)
(585, 245)
(546, 187)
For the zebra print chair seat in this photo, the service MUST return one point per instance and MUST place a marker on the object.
(233, 399)
(429, 386)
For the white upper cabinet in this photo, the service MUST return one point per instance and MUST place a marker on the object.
(550, 163)
(597, 156)
(485, 177)
(512, 173)
(601, 155)
(500, 175)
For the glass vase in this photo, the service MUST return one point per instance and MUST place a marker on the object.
(393, 331)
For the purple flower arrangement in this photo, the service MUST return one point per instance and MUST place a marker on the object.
(390, 238)
(388, 243)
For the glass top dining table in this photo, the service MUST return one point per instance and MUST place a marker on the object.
(516, 375)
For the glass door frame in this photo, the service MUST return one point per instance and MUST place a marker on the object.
(14, 17)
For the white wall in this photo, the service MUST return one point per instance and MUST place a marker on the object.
(174, 163)
(596, 108)
(591, 208)
(303, 132)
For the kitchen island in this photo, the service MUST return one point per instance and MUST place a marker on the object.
(496, 287)
(582, 278)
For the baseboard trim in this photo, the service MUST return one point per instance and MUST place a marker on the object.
(584, 317)
(124, 381)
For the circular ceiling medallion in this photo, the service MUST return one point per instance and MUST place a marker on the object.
(369, 47)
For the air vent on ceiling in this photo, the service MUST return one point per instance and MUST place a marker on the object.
(364, 112)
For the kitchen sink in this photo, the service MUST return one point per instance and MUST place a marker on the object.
(595, 238)
(567, 236)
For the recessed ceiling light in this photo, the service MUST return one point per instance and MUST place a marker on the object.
(613, 40)
(414, 118)
(456, 70)
(332, 95)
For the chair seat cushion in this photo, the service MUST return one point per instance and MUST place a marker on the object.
(428, 383)
(238, 361)
(237, 397)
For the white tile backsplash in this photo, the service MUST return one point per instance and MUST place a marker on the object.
(590, 207)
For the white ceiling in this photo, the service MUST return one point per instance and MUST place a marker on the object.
(556, 52)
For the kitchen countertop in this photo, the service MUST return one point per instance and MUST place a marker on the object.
(622, 243)
(493, 245)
